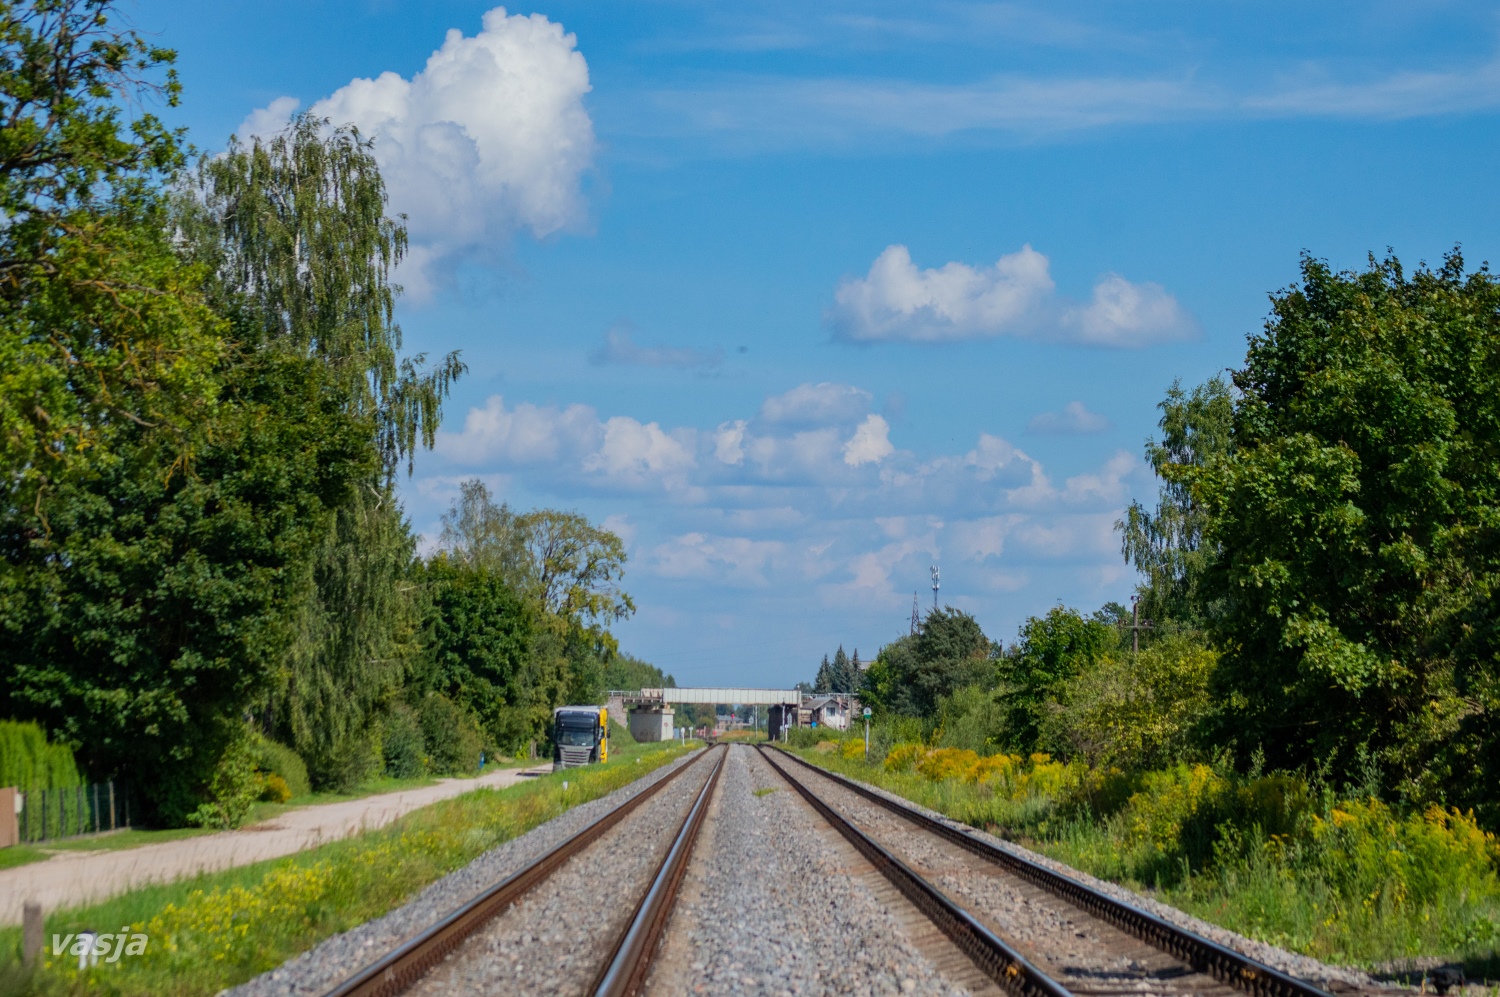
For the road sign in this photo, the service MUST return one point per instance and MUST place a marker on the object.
(867, 711)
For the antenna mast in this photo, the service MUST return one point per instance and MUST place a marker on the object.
(935, 583)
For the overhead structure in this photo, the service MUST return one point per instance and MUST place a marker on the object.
(651, 713)
(709, 697)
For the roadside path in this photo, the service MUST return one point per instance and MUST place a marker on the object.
(71, 878)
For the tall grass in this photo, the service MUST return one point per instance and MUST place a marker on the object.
(1347, 880)
(220, 929)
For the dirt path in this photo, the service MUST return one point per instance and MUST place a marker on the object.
(70, 878)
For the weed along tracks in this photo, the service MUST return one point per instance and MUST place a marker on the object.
(744, 870)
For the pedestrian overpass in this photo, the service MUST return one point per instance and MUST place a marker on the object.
(651, 713)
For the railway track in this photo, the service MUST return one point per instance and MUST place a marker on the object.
(990, 917)
(1022, 942)
(632, 948)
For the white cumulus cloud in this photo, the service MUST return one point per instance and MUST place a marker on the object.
(1074, 420)
(489, 138)
(870, 443)
(632, 449)
(955, 301)
(817, 404)
(1016, 296)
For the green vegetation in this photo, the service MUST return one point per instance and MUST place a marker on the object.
(1303, 746)
(197, 927)
(204, 409)
(1275, 857)
(29, 761)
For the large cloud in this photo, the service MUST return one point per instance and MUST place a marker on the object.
(1014, 297)
(489, 138)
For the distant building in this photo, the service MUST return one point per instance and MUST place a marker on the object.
(825, 711)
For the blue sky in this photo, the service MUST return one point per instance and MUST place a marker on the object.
(804, 298)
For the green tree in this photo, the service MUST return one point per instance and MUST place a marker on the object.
(1355, 520)
(295, 231)
(823, 681)
(1167, 546)
(479, 647)
(1053, 650)
(911, 674)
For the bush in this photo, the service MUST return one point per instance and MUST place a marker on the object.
(405, 753)
(970, 718)
(232, 789)
(28, 761)
(277, 759)
(451, 736)
(354, 761)
(274, 789)
(1135, 711)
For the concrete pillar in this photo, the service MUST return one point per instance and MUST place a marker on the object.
(651, 723)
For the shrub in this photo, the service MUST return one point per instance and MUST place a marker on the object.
(28, 761)
(853, 749)
(903, 757)
(970, 718)
(355, 760)
(405, 754)
(232, 789)
(450, 735)
(274, 789)
(277, 759)
(1135, 711)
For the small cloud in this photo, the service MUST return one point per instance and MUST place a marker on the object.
(870, 443)
(620, 349)
(897, 302)
(817, 404)
(1074, 420)
(266, 121)
(729, 442)
(1125, 314)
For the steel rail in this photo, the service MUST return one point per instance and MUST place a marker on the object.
(1202, 954)
(1003, 964)
(402, 966)
(631, 959)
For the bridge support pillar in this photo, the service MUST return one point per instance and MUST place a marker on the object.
(651, 723)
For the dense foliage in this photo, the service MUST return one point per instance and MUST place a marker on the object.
(207, 580)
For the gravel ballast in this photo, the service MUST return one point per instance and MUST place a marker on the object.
(1078, 950)
(774, 909)
(1301, 966)
(326, 964)
(553, 942)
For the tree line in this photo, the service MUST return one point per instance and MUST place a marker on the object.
(1320, 566)
(205, 407)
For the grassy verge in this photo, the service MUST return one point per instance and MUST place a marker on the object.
(1347, 881)
(220, 929)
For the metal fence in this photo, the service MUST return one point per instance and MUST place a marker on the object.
(66, 813)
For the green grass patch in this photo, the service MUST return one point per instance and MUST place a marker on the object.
(20, 855)
(1348, 881)
(217, 930)
(768, 790)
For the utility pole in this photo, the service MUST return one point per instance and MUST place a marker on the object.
(1137, 624)
(934, 587)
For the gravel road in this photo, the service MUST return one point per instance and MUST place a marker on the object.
(336, 958)
(769, 906)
